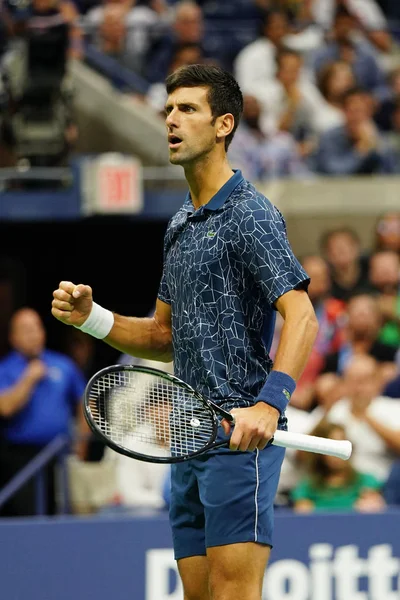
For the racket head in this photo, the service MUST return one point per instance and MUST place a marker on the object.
(120, 400)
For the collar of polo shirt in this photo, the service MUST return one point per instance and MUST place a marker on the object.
(218, 200)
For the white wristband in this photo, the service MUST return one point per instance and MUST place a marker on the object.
(99, 323)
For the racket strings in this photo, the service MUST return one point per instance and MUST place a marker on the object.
(149, 414)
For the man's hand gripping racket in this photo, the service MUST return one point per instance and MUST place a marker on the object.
(137, 410)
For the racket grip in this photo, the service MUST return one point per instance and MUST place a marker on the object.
(311, 443)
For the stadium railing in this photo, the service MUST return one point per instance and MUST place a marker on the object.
(56, 449)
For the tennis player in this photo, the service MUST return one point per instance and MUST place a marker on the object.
(228, 267)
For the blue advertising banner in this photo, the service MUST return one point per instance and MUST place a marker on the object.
(315, 557)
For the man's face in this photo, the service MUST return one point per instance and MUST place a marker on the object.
(192, 132)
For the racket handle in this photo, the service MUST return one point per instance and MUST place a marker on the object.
(311, 443)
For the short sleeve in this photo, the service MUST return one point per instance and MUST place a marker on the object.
(263, 245)
(163, 290)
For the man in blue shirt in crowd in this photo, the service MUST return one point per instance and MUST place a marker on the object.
(40, 393)
(228, 266)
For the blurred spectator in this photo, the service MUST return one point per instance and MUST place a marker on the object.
(384, 114)
(291, 103)
(299, 421)
(392, 389)
(341, 248)
(342, 44)
(384, 274)
(329, 312)
(360, 332)
(305, 34)
(139, 483)
(113, 36)
(187, 54)
(328, 389)
(387, 232)
(126, 30)
(142, 484)
(256, 63)
(334, 80)
(367, 14)
(391, 489)
(333, 484)
(262, 156)
(393, 136)
(187, 27)
(356, 148)
(40, 394)
(372, 421)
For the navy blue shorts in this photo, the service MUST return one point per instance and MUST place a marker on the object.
(224, 497)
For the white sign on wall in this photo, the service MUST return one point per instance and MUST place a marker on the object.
(112, 184)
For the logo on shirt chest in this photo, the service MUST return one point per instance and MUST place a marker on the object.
(211, 233)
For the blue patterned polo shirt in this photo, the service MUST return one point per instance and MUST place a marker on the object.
(225, 265)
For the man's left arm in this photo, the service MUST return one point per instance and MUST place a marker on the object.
(298, 333)
(255, 426)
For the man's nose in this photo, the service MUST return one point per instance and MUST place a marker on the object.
(171, 119)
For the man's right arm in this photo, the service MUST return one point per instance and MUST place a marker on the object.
(149, 338)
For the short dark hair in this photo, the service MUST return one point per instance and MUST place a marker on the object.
(224, 94)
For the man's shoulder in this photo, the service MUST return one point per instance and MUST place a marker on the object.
(246, 197)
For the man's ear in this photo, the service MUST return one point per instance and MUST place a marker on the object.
(225, 124)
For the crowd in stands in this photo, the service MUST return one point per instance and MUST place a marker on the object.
(321, 78)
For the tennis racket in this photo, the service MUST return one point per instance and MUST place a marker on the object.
(153, 416)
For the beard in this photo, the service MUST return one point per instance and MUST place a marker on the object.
(188, 156)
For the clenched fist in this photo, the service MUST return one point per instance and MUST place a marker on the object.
(72, 303)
